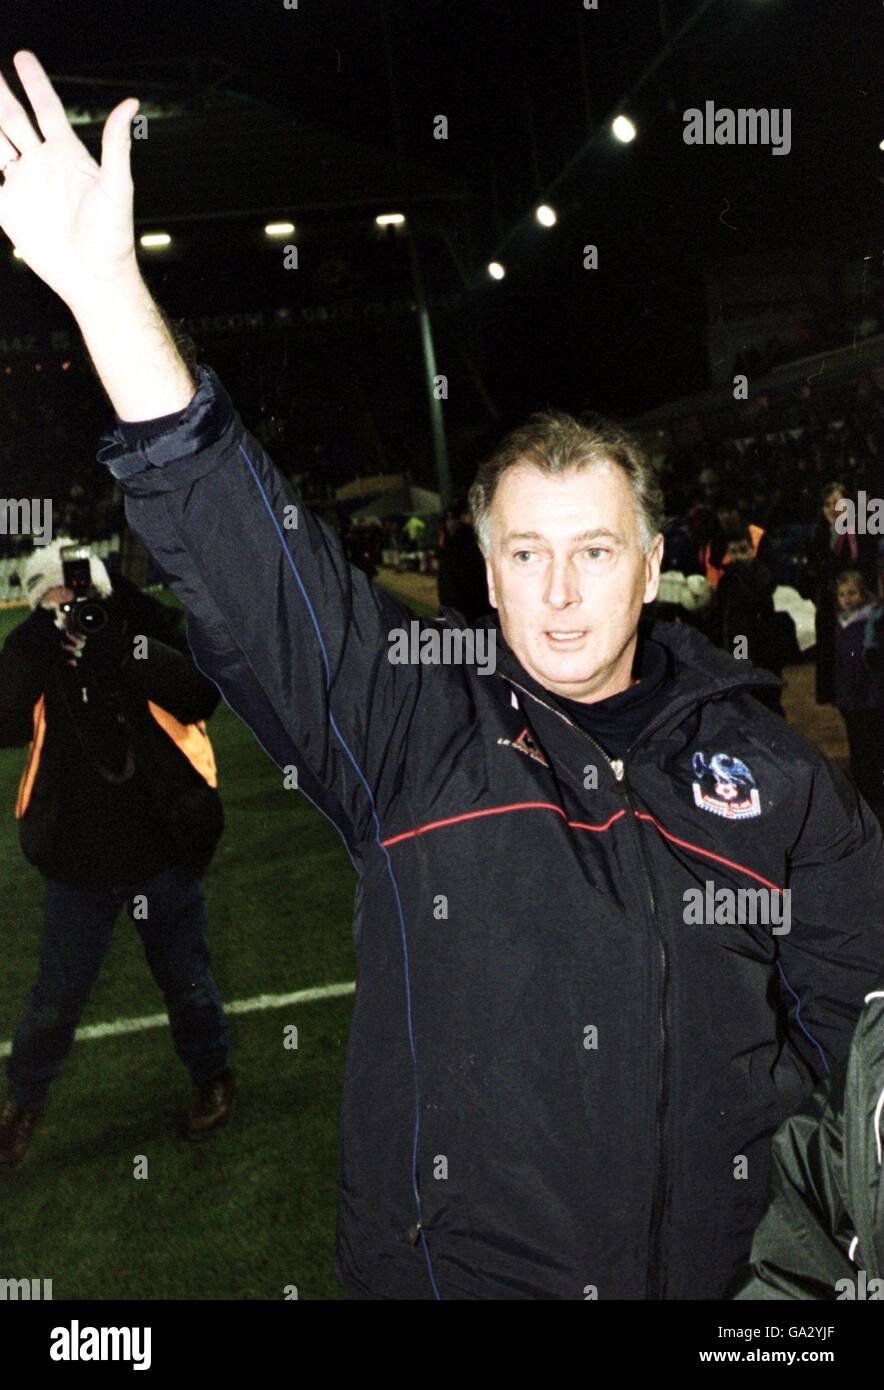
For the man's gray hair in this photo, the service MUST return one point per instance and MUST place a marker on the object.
(554, 442)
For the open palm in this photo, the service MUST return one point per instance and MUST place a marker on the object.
(69, 217)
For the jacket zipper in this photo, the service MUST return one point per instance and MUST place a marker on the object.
(658, 1200)
(618, 768)
(653, 1285)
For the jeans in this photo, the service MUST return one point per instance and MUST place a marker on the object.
(77, 926)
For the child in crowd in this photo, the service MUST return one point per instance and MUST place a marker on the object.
(859, 682)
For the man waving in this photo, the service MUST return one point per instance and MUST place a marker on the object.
(615, 918)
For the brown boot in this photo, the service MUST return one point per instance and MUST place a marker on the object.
(16, 1127)
(211, 1107)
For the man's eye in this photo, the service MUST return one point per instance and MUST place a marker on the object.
(597, 552)
(523, 556)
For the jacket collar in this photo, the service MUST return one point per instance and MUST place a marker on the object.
(699, 672)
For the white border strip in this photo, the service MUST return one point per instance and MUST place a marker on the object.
(121, 1026)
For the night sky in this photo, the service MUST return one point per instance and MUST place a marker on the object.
(510, 79)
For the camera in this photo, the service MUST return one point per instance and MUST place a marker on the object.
(85, 614)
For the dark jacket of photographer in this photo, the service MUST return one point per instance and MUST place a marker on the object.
(120, 780)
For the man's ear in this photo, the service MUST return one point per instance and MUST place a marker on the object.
(492, 595)
(653, 561)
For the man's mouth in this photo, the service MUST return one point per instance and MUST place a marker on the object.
(565, 638)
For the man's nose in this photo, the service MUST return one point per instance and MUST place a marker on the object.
(563, 587)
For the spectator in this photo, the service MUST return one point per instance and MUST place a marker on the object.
(415, 530)
(831, 552)
(859, 683)
(461, 581)
(745, 619)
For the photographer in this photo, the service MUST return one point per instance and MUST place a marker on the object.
(117, 805)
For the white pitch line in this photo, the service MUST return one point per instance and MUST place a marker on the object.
(237, 1006)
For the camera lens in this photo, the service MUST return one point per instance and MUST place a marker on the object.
(90, 617)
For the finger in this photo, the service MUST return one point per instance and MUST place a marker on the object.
(116, 143)
(44, 99)
(14, 122)
(8, 152)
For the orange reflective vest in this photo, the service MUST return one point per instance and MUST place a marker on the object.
(714, 572)
(191, 739)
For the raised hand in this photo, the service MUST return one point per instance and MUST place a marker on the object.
(69, 217)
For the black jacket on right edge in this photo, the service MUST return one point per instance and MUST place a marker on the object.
(493, 1145)
(823, 1235)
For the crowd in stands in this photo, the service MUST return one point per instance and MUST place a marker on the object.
(826, 329)
(749, 492)
(771, 467)
(752, 511)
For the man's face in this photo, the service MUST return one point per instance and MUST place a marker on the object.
(54, 598)
(568, 577)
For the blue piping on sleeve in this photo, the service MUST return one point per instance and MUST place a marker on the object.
(384, 851)
(799, 1021)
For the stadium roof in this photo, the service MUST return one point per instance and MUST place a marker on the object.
(227, 155)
